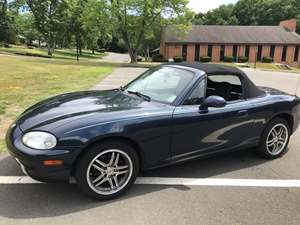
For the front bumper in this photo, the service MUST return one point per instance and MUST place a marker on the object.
(31, 161)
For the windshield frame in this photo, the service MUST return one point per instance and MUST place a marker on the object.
(181, 94)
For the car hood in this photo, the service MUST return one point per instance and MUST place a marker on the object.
(65, 108)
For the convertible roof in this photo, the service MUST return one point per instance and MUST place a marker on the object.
(209, 68)
(250, 89)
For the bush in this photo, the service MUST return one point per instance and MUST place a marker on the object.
(101, 50)
(243, 59)
(205, 58)
(267, 59)
(178, 59)
(158, 58)
(140, 59)
(228, 59)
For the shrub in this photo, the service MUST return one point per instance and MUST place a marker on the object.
(205, 58)
(228, 59)
(267, 59)
(178, 59)
(243, 59)
(140, 59)
(101, 50)
(158, 58)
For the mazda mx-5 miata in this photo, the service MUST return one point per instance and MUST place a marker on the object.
(169, 114)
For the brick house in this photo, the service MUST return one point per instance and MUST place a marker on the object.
(280, 42)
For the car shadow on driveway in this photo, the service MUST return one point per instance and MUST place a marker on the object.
(50, 200)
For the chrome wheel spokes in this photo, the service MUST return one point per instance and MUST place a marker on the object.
(109, 172)
(277, 139)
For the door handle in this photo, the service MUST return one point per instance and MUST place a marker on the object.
(243, 113)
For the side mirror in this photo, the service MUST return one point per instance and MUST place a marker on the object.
(213, 101)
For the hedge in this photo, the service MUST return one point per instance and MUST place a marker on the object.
(205, 58)
(243, 59)
(158, 58)
(228, 59)
(267, 59)
(178, 59)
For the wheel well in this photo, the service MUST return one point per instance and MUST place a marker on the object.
(288, 118)
(128, 141)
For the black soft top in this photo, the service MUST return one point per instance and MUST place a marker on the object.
(250, 89)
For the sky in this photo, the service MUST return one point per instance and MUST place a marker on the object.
(206, 5)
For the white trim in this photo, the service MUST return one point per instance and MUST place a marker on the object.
(182, 181)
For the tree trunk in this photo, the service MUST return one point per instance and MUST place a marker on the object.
(49, 49)
(93, 51)
(77, 53)
(133, 55)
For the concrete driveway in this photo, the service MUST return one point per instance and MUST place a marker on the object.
(116, 57)
(172, 204)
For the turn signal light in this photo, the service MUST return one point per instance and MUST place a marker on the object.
(53, 162)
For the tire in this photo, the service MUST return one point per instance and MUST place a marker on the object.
(102, 178)
(271, 147)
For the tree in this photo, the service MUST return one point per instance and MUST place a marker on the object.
(133, 18)
(223, 15)
(95, 21)
(266, 12)
(25, 27)
(7, 31)
(50, 18)
(252, 12)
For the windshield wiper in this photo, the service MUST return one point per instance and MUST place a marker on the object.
(139, 94)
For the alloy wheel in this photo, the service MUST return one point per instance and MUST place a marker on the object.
(109, 172)
(277, 139)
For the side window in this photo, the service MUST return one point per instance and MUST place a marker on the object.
(197, 95)
(227, 86)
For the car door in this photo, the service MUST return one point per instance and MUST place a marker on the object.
(197, 132)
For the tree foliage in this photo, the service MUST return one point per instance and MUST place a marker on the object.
(252, 12)
(7, 30)
(221, 16)
(50, 17)
(134, 19)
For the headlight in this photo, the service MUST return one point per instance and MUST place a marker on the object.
(39, 140)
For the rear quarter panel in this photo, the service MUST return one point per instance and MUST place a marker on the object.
(269, 106)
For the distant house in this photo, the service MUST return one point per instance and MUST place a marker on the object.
(279, 42)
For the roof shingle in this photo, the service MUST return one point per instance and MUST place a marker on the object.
(232, 35)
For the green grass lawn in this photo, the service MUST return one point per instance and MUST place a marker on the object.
(273, 67)
(265, 66)
(27, 80)
(58, 53)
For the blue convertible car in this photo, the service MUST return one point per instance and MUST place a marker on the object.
(169, 114)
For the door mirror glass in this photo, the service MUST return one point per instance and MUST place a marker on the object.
(213, 101)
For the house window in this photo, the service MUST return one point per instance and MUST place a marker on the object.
(184, 52)
(235, 51)
(247, 51)
(272, 51)
(259, 53)
(283, 56)
(296, 55)
(209, 50)
(197, 53)
(222, 52)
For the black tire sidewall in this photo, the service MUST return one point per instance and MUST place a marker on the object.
(93, 151)
(262, 149)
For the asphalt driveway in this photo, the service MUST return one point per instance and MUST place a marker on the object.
(171, 204)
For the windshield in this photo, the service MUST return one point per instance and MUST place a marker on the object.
(162, 84)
